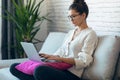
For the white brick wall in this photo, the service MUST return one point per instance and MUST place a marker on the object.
(104, 16)
(58, 10)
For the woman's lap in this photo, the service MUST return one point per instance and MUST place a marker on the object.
(47, 73)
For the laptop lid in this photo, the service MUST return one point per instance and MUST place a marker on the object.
(31, 51)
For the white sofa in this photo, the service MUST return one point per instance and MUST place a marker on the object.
(106, 65)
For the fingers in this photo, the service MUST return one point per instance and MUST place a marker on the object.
(41, 54)
(44, 55)
(51, 57)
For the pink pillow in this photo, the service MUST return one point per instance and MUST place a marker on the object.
(59, 65)
(28, 67)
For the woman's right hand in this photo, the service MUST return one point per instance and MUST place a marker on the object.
(44, 55)
(50, 57)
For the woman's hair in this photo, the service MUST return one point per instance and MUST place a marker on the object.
(80, 6)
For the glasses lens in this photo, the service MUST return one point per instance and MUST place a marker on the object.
(72, 17)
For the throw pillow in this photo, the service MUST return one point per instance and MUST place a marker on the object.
(105, 58)
(29, 66)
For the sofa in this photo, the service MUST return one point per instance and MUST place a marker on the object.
(106, 64)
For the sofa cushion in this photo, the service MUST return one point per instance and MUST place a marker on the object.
(105, 58)
(52, 42)
(6, 75)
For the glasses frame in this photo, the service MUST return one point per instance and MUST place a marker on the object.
(73, 17)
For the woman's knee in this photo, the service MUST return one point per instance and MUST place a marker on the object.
(12, 67)
(41, 71)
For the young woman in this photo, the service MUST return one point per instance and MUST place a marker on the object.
(76, 50)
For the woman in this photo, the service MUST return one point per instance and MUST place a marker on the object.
(76, 50)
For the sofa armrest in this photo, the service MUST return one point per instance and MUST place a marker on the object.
(7, 63)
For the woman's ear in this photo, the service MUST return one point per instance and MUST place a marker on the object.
(84, 15)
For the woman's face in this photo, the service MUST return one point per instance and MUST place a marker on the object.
(76, 18)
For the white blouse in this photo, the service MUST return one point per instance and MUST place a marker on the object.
(80, 48)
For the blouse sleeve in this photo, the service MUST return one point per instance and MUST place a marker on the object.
(85, 55)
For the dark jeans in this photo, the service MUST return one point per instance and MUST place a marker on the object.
(44, 73)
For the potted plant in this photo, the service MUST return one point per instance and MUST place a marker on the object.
(25, 19)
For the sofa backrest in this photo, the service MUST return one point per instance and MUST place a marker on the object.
(52, 42)
(105, 56)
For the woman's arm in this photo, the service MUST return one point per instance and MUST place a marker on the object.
(85, 55)
(68, 60)
(58, 58)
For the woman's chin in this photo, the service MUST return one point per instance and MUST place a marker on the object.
(75, 24)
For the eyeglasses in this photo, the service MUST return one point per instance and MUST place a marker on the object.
(72, 17)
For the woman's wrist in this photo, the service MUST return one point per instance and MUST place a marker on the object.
(60, 59)
(57, 55)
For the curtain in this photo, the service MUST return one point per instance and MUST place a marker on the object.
(8, 33)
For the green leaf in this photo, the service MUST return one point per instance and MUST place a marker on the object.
(25, 18)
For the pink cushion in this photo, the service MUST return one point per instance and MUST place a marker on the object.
(59, 65)
(28, 67)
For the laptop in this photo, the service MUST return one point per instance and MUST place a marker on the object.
(31, 51)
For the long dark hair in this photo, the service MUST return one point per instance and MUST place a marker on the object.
(80, 6)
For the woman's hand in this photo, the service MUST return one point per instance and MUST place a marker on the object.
(44, 55)
(57, 58)
(50, 57)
